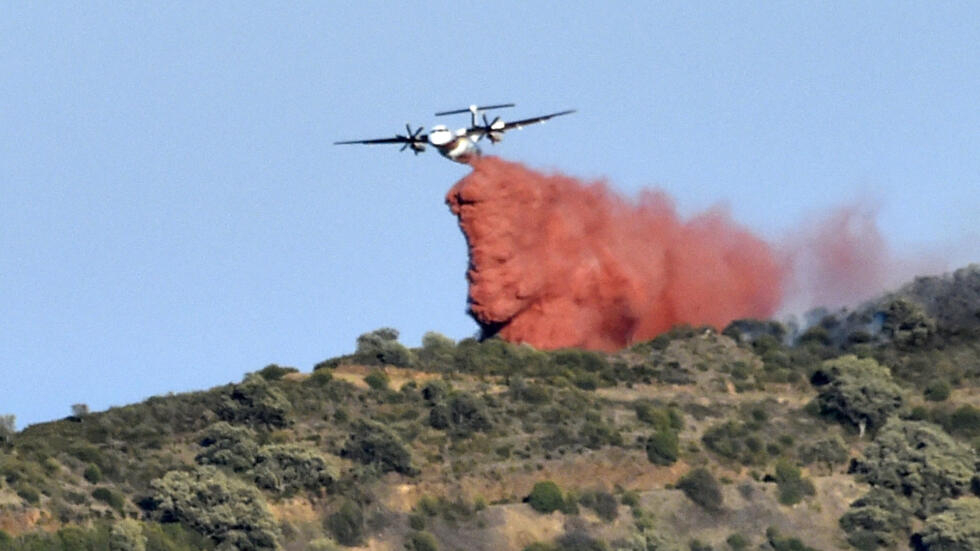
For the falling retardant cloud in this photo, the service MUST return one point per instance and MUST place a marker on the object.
(555, 262)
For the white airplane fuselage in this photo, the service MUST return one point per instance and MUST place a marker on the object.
(461, 148)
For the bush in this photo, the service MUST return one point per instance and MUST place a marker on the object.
(827, 451)
(289, 468)
(273, 372)
(937, 391)
(229, 446)
(346, 524)
(109, 497)
(374, 444)
(377, 379)
(792, 486)
(861, 392)
(421, 541)
(603, 503)
(662, 448)
(955, 529)
(257, 402)
(879, 519)
(437, 352)
(225, 509)
(381, 347)
(92, 473)
(546, 497)
(738, 542)
(780, 543)
(918, 460)
(702, 488)
(965, 421)
(127, 535)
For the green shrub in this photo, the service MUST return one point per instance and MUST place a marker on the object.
(879, 519)
(920, 461)
(346, 524)
(702, 488)
(289, 468)
(255, 401)
(377, 379)
(861, 392)
(792, 486)
(780, 543)
(662, 447)
(937, 391)
(92, 473)
(965, 421)
(374, 444)
(109, 497)
(545, 497)
(579, 541)
(421, 541)
(381, 347)
(227, 510)
(955, 529)
(738, 542)
(830, 451)
(127, 535)
(229, 446)
(273, 372)
(603, 503)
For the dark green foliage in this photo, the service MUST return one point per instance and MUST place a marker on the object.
(738, 542)
(225, 509)
(860, 393)
(92, 473)
(907, 324)
(920, 461)
(955, 529)
(546, 497)
(662, 447)
(735, 440)
(780, 543)
(377, 379)
(531, 393)
(579, 541)
(288, 468)
(937, 391)
(879, 519)
(346, 524)
(792, 486)
(109, 497)
(701, 487)
(965, 421)
(256, 402)
(830, 451)
(374, 444)
(381, 347)
(603, 503)
(421, 541)
(437, 352)
(127, 535)
(273, 372)
(229, 446)
(468, 413)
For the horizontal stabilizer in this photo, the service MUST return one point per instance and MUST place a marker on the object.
(469, 109)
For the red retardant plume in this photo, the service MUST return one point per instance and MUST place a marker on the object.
(555, 262)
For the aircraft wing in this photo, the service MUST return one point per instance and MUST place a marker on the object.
(396, 139)
(525, 122)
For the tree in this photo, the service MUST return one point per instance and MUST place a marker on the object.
(372, 443)
(662, 447)
(381, 347)
(346, 524)
(437, 351)
(702, 488)
(227, 510)
(955, 529)
(545, 497)
(289, 468)
(907, 324)
(256, 402)
(879, 519)
(127, 535)
(920, 461)
(860, 392)
(228, 445)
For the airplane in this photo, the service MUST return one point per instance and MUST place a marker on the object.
(461, 145)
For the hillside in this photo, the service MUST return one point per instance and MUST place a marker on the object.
(858, 431)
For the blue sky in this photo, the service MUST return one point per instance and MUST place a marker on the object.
(172, 214)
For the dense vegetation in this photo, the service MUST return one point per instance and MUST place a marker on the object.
(448, 445)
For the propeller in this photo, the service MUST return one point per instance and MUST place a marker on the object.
(493, 130)
(412, 139)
